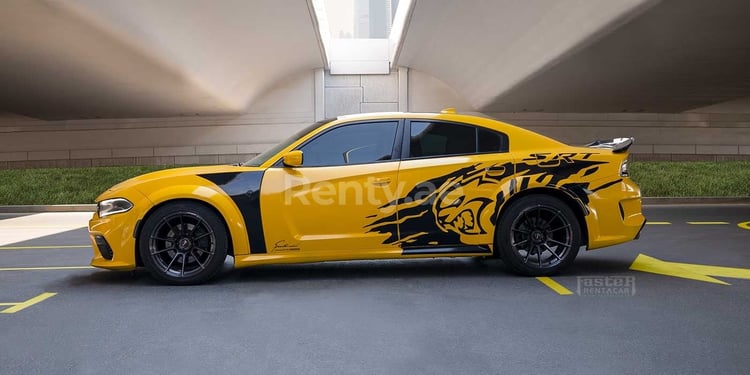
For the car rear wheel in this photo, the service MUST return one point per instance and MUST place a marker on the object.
(538, 235)
(183, 243)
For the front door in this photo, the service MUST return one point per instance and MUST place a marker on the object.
(322, 208)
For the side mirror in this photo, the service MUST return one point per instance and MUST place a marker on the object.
(293, 159)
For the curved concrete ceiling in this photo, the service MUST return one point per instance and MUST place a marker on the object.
(66, 59)
(582, 55)
(483, 49)
(677, 56)
(144, 58)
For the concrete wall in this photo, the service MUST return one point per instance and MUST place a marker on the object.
(347, 94)
(291, 105)
(659, 136)
(311, 95)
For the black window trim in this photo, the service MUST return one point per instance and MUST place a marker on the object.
(396, 150)
(406, 142)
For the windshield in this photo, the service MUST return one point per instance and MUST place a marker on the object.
(263, 157)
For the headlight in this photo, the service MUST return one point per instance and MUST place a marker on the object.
(113, 206)
(624, 168)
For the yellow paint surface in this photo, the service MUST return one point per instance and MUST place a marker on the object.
(28, 303)
(554, 285)
(700, 272)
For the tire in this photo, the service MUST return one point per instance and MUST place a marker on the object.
(183, 243)
(538, 235)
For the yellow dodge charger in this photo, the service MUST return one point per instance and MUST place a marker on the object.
(376, 186)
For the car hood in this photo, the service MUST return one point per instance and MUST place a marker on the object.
(174, 172)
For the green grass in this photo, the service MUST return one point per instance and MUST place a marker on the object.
(62, 185)
(692, 179)
(83, 185)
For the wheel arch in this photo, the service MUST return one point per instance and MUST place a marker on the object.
(208, 205)
(575, 204)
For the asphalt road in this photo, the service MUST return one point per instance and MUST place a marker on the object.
(435, 316)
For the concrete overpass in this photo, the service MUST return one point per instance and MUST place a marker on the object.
(104, 82)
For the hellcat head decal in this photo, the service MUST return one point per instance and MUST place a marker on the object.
(458, 207)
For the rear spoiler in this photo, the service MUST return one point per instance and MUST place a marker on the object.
(617, 145)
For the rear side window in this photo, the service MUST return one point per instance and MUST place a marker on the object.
(430, 139)
(490, 141)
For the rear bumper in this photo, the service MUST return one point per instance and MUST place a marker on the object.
(637, 236)
(616, 214)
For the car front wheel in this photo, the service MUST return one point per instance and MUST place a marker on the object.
(538, 235)
(183, 243)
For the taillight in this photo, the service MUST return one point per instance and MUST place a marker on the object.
(624, 168)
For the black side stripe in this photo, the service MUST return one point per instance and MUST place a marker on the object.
(466, 249)
(244, 189)
(608, 184)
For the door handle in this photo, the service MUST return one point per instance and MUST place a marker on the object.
(381, 181)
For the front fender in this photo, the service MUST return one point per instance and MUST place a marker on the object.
(196, 188)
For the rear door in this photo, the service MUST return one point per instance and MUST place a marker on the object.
(451, 176)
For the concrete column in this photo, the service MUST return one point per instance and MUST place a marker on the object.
(320, 94)
(403, 89)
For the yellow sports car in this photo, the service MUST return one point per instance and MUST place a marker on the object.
(376, 186)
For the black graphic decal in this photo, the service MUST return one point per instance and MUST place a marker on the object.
(441, 208)
(445, 211)
(244, 189)
(590, 171)
(608, 184)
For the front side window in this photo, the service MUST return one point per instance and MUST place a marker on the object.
(351, 144)
(263, 157)
(429, 139)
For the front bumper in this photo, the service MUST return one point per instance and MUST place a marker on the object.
(113, 237)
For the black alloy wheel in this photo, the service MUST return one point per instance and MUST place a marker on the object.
(183, 243)
(538, 235)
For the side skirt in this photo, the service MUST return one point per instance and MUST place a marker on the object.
(395, 253)
(448, 251)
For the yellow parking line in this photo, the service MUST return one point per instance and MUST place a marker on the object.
(46, 268)
(658, 223)
(707, 222)
(9, 303)
(28, 303)
(554, 285)
(44, 247)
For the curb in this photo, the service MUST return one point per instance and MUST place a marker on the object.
(647, 201)
(48, 208)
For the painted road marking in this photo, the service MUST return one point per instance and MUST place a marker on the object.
(44, 247)
(700, 272)
(707, 222)
(658, 223)
(554, 285)
(18, 306)
(46, 268)
(744, 225)
(24, 228)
